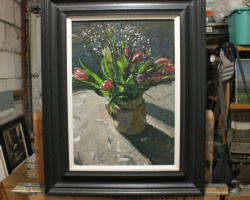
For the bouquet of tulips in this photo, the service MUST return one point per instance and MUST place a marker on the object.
(126, 76)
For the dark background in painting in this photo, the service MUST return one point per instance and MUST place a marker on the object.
(88, 40)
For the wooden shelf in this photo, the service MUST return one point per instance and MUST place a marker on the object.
(243, 47)
(19, 175)
(235, 106)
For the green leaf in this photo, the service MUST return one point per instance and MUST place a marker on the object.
(122, 64)
(106, 67)
(94, 86)
(159, 66)
(107, 54)
(117, 91)
(98, 80)
(125, 59)
(132, 69)
(110, 40)
(166, 78)
(130, 91)
(151, 69)
(130, 87)
(144, 87)
(121, 80)
(103, 70)
(145, 67)
(139, 65)
(118, 77)
(130, 79)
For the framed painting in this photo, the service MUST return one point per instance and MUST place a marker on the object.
(3, 168)
(15, 142)
(124, 97)
(240, 91)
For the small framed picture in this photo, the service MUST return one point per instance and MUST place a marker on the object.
(15, 142)
(240, 91)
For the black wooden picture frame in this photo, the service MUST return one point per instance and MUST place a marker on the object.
(59, 180)
(15, 142)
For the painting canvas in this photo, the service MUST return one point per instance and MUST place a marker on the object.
(124, 93)
(241, 95)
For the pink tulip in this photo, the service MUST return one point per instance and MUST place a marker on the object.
(137, 56)
(127, 52)
(80, 74)
(106, 85)
(162, 61)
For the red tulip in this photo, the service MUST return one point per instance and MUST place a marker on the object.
(137, 56)
(162, 61)
(80, 74)
(106, 85)
(77, 69)
(167, 69)
(155, 77)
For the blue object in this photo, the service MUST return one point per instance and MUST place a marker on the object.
(239, 26)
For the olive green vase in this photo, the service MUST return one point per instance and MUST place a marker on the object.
(129, 116)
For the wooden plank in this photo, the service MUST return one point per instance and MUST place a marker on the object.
(209, 145)
(227, 104)
(207, 197)
(25, 188)
(46, 197)
(3, 193)
(243, 47)
(195, 198)
(216, 189)
(212, 192)
(212, 197)
(227, 97)
(38, 139)
(237, 198)
(236, 106)
(12, 180)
